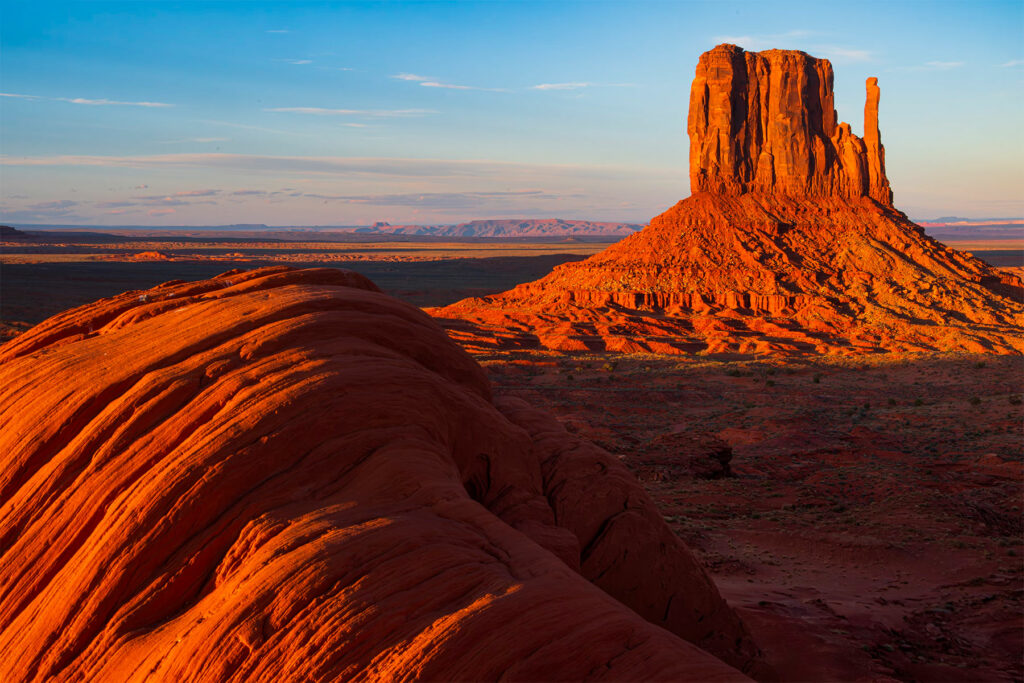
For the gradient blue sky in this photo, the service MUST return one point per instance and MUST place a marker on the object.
(161, 113)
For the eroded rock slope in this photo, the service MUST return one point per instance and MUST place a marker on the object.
(790, 244)
(287, 475)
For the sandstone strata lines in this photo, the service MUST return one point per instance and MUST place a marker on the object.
(287, 475)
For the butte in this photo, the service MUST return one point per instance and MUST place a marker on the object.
(790, 244)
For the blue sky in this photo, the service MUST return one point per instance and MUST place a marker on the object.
(161, 113)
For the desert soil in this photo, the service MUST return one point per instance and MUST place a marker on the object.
(873, 524)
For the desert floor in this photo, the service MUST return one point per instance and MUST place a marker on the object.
(873, 524)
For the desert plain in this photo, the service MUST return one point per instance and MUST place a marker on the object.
(862, 515)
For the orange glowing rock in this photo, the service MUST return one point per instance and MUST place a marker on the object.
(790, 244)
(287, 475)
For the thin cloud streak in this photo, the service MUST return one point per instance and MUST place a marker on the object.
(373, 113)
(343, 166)
(443, 200)
(83, 100)
(431, 82)
(930, 66)
(836, 53)
(580, 85)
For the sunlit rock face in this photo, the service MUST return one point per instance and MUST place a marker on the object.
(765, 122)
(789, 244)
(285, 475)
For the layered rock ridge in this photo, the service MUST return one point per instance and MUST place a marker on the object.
(287, 475)
(790, 244)
(765, 122)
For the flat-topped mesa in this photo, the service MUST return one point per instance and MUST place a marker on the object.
(765, 122)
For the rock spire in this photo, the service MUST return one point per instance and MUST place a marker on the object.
(765, 122)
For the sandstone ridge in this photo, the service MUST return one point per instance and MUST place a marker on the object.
(287, 475)
(789, 244)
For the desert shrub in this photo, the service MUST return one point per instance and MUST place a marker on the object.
(817, 378)
(974, 400)
(1015, 400)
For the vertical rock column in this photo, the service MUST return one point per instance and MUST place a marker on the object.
(879, 189)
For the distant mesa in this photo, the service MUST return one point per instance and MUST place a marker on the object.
(285, 475)
(513, 228)
(789, 244)
(9, 233)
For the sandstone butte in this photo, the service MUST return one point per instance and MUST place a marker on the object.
(789, 244)
(285, 475)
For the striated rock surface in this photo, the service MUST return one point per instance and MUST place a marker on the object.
(766, 122)
(789, 244)
(287, 475)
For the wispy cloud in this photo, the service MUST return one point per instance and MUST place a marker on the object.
(115, 205)
(83, 100)
(445, 200)
(333, 166)
(102, 102)
(371, 113)
(278, 30)
(561, 86)
(160, 212)
(786, 40)
(63, 209)
(763, 41)
(295, 61)
(930, 66)
(579, 86)
(837, 53)
(196, 193)
(60, 204)
(1012, 62)
(431, 82)
(182, 198)
(450, 86)
(201, 140)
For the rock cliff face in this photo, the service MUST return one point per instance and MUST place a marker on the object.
(287, 475)
(765, 122)
(789, 245)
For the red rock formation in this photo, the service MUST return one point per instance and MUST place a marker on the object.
(789, 244)
(765, 122)
(286, 475)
